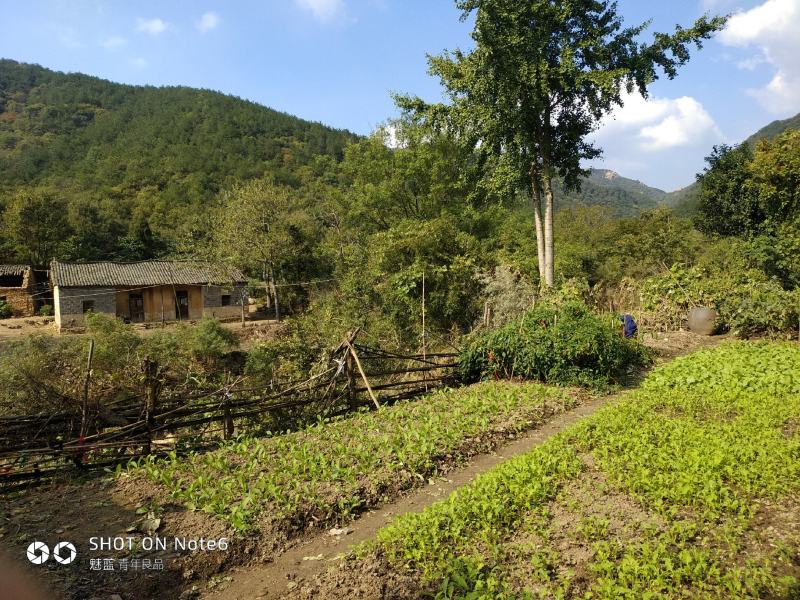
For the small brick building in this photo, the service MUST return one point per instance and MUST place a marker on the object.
(148, 291)
(18, 289)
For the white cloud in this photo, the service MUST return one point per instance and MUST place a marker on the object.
(138, 63)
(152, 26)
(207, 22)
(113, 41)
(655, 124)
(774, 28)
(660, 141)
(324, 10)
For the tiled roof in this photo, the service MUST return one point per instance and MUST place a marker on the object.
(13, 269)
(146, 273)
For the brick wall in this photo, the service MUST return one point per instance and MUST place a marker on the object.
(69, 304)
(20, 298)
(212, 301)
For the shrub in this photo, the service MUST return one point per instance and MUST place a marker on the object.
(5, 310)
(207, 342)
(46, 310)
(565, 345)
(747, 301)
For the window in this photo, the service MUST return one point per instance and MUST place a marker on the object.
(11, 280)
(88, 306)
(226, 299)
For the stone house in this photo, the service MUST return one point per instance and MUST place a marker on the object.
(147, 291)
(18, 289)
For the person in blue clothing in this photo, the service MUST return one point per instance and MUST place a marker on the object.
(629, 327)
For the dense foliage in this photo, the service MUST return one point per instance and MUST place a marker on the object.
(746, 191)
(660, 496)
(747, 301)
(134, 164)
(566, 345)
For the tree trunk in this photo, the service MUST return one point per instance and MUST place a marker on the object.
(536, 194)
(549, 246)
(267, 290)
(546, 176)
(275, 294)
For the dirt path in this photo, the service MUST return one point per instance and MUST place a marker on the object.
(317, 552)
(314, 555)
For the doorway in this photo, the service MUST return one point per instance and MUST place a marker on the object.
(182, 304)
(136, 307)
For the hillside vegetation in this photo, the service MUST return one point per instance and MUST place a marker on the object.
(138, 162)
(339, 231)
(686, 201)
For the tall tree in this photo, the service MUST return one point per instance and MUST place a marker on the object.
(541, 76)
(36, 225)
(728, 204)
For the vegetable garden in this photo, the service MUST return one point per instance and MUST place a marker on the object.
(686, 488)
(333, 470)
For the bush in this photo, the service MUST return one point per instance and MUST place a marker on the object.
(207, 342)
(46, 310)
(746, 300)
(569, 345)
(5, 310)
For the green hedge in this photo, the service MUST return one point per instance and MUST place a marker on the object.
(567, 345)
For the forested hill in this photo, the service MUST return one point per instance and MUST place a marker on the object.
(108, 134)
(775, 128)
(622, 196)
(163, 149)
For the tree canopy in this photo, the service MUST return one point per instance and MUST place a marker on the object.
(541, 76)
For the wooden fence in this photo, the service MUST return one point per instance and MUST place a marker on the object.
(33, 447)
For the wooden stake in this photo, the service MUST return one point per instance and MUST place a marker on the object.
(363, 375)
(241, 297)
(424, 334)
(85, 407)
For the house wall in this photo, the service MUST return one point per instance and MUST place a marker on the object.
(20, 299)
(69, 304)
(159, 302)
(212, 301)
(204, 301)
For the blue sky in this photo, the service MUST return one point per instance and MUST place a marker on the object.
(336, 61)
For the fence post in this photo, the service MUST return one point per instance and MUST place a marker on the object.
(85, 403)
(226, 411)
(151, 386)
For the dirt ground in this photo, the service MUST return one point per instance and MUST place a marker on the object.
(251, 567)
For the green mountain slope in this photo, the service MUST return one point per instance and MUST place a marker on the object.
(775, 128)
(161, 152)
(623, 197)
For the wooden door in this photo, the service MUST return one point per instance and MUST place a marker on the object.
(136, 307)
(182, 304)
